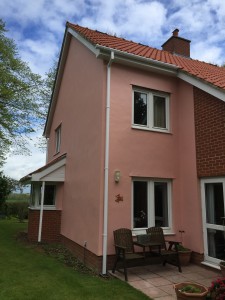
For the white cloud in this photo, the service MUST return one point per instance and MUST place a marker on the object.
(136, 20)
(38, 28)
(208, 53)
(39, 53)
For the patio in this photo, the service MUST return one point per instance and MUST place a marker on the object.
(157, 281)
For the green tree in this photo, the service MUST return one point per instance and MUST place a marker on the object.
(46, 93)
(7, 185)
(21, 105)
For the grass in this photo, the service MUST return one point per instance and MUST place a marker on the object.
(27, 273)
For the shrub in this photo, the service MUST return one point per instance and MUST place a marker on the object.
(16, 209)
(217, 289)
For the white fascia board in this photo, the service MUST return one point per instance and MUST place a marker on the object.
(206, 87)
(84, 41)
(70, 32)
(39, 175)
(52, 179)
(132, 59)
(63, 56)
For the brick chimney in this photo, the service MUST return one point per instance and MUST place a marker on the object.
(177, 45)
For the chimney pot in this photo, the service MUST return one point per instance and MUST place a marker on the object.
(175, 32)
(177, 45)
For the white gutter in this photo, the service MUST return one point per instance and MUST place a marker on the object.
(121, 55)
(106, 169)
(41, 211)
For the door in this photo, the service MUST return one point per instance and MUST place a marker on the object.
(213, 219)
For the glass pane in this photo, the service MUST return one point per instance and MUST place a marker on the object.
(159, 112)
(161, 204)
(140, 108)
(140, 193)
(49, 197)
(214, 203)
(58, 139)
(32, 198)
(216, 243)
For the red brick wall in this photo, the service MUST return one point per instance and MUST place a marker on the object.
(89, 259)
(210, 134)
(51, 225)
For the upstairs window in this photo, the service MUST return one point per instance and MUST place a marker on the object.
(150, 110)
(57, 139)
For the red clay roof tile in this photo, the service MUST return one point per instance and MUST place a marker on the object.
(210, 73)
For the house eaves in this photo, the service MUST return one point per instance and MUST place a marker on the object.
(57, 83)
(69, 33)
(137, 61)
(100, 52)
(54, 171)
(130, 59)
(201, 84)
(161, 67)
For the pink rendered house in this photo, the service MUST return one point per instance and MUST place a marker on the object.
(135, 139)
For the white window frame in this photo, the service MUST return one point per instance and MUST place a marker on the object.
(150, 110)
(58, 139)
(151, 204)
(206, 225)
(36, 196)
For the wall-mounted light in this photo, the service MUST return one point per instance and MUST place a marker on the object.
(117, 176)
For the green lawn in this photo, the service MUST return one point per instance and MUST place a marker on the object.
(30, 274)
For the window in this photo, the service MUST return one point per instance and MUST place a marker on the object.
(57, 139)
(151, 203)
(150, 110)
(49, 196)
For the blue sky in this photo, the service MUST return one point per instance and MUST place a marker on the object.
(38, 28)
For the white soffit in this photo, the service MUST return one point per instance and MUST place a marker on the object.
(84, 41)
(202, 85)
(54, 173)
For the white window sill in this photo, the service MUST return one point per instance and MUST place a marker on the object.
(151, 129)
(44, 208)
(211, 265)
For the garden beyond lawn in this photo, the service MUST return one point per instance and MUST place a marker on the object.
(30, 274)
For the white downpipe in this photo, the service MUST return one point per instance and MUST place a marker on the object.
(106, 169)
(41, 211)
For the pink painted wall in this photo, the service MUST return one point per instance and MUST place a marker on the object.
(80, 109)
(139, 153)
(188, 186)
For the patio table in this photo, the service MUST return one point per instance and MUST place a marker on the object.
(144, 240)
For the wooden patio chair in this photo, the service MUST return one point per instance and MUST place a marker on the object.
(124, 246)
(169, 249)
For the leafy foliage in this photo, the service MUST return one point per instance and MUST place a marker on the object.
(217, 289)
(14, 197)
(21, 104)
(18, 209)
(190, 289)
(7, 185)
(46, 93)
